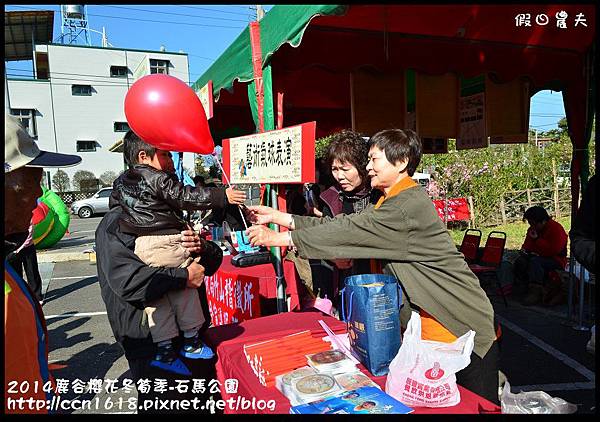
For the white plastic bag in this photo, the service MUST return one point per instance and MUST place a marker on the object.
(533, 402)
(423, 372)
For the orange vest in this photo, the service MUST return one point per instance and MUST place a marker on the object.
(25, 347)
(431, 329)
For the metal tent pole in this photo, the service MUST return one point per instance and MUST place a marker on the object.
(278, 264)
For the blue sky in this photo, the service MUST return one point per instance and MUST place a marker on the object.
(204, 32)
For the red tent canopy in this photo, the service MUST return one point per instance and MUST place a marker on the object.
(469, 40)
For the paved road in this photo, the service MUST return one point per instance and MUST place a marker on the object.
(80, 339)
(539, 351)
(71, 247)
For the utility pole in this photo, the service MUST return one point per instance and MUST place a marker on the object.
(6, 96)
(260, 13)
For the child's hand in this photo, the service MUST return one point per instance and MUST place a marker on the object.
(235, 196)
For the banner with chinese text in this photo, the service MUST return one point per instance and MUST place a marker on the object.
(472, 133)
(232, 298)
(457, 209)
(278, 156)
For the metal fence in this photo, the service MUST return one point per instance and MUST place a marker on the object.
(70, 197)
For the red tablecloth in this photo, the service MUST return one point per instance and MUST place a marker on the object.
(265, 274)
(228, 341)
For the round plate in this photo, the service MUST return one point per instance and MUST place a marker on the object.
(353, 381)
(315, 384)
(297, 373)
(330, 356)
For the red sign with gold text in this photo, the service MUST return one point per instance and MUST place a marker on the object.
(232, 297)
(458, 209)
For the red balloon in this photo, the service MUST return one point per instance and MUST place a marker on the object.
(166, 113)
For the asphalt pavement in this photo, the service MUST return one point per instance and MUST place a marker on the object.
(540, 349)
(72, 247)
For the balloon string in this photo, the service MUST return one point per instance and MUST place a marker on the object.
(229, 184)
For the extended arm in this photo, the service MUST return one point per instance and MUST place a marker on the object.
(266, 215)
(381, 233)
(180, 196)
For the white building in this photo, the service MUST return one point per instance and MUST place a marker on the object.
(75, 102)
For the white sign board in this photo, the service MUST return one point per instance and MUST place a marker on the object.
(472, 122)
(270, 157)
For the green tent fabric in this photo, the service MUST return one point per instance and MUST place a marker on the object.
(284, 23)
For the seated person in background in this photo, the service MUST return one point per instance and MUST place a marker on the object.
(544, 250)
(152, 199)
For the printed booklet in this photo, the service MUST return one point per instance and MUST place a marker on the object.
(365, 400)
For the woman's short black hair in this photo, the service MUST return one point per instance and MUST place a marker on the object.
(399, 145)
(132, 145)
(536, 214)
(348, 146)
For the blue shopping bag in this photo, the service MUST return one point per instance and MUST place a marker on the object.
(371, 308)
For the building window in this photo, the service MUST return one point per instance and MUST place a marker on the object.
(159, 66)
(81, 89)
(118, 71)
(121, 127)
(27, 118)
(86, 146)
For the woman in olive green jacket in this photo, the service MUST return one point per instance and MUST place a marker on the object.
(404, 233)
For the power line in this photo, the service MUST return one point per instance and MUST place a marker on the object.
(85, 81)
(114, 78)
(172, 13)
(82, 81)
(549, 124)
(143, 20)
(212, 10)
(91, 83)
(166, 22)
(547, 100)
(202, 57)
